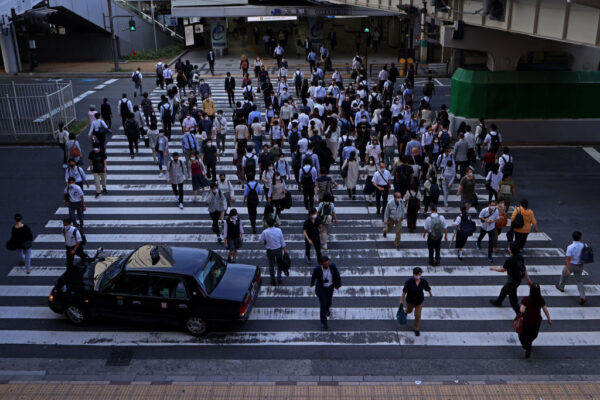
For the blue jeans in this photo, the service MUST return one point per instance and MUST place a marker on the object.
(257, 143)
(25, 256)
(160, 155)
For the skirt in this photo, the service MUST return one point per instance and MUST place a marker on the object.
(369, 188)
(199, 181)
(234, 244)
(461, 239)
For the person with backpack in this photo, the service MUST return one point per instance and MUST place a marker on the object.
(488, 216)
(233, 232)
(574, 265)
(74, 199)
(132, 131)
(392, 218)
(435, 228)
(308, 178)
(249, 163)
(327, 217)
(137, 78)
(493, 139)
(521, 221)
(492, 182)
(97, 159)
(514, 266)
(159, 69)
(125, 108)
(166, 116)
(252, 191)
(403, 175)
(217, 205)
(74, 242)
(350, 173)
(431, 189)
(506, 162)
(382, 180)
(176, 175)
(73, 150)
(464, 227)
(21, 239)
(412, 202)
(76, 172)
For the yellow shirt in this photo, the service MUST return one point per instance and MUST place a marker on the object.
(528, 217)
(208, 106)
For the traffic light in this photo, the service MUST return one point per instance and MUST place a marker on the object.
(367, 29)
(495, 9)
(132, 25)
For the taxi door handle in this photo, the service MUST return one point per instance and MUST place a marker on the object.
(136, 302)
(182, 306)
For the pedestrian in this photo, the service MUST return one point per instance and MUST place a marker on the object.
(210, 57)
(435, 228)
(73, 149)
(514, 266)
(431, 189)
(73, 197)
(412, 202)
(531, 307)
(492, 182)
(521, 221)
(466, 189)
(176, 176)
(312, 237)
(488, 217)
(414, 296)
(147, 108)
(381, 181)
(249, 163)
(217, 204)
(493, 139)
(132, 131)
(74, 242)
(350, 173)
(21, 239)
(233, 232)
(501, 223)
(106, 112)
(464, 227)
(325, 278)
(98, 131)
(327, 217)
(393, 216)
(272, 238)
(574, 265)
(166, 116)
(198, 175)
(506, 162)
(507, 191)
(137, 79)
(182, 82)
(244, 65)
(161, 149)
(277, 192)
(308, 179)
(97, 159)
(62, 137)
(76, 172)
(189, 146)
(125, 108)
(270, 213)
(461, 154)
(252, 191)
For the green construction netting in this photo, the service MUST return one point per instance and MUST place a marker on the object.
(525, 94)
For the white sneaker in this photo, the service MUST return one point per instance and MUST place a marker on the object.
(177, 199)
(181, 206)
(64, 165)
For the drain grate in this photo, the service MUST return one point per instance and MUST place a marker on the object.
(119, 357)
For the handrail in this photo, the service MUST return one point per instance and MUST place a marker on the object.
(147, 17)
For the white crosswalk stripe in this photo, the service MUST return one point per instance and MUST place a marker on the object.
(140, 208)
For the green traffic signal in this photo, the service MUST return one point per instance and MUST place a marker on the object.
(367, 30)
(132, 25)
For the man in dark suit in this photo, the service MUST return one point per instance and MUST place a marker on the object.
(210, 57)
(326, 278)
(230, 88)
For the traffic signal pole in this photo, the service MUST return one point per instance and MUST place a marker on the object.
(113, 38)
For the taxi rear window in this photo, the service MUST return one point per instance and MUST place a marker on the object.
(212, 273)
(149, 256)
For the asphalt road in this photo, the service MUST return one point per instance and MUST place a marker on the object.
(560, 184)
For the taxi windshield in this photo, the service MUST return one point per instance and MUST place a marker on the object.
(212, 273)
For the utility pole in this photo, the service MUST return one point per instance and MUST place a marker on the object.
(423, 43)
(153, 24)
(113, 38)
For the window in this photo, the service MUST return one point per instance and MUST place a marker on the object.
(168, 288)
(212, 273)
(131, 285)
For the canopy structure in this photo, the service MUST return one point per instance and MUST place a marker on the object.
(525, 94)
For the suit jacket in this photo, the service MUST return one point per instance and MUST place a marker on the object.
(317, 278)
(229, 84)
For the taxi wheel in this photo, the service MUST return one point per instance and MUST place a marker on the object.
(76, 314)
(195, 325)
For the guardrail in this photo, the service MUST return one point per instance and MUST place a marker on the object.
(421, 69)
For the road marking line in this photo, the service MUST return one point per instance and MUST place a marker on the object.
(592, 153)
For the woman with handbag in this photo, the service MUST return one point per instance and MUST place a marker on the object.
(530, 319)
(21, 239)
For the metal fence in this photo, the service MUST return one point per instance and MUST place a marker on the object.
(35, 108)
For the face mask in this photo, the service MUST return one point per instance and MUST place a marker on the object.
(193, 158)
(314, 216)
(493, 209)
(270, 168)
(372, 162)
(417, 276)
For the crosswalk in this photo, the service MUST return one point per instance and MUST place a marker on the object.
(140, 208)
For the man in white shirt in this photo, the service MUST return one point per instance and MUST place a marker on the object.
(488, 217)
(272, 238)
(220, 128)
(73, 242)
(125, 108)
(504, 159)
(381, 180)
(435, 228)
(74, 200)
(493, 139)
(574, 264)
(168, 75)
(470, 138)
(136, 78)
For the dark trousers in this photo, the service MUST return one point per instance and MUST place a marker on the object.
(211, 66)
(411, 219)
(316, 245)
(521, 239)
(351, 192)
(231, 97)
(434, 245)
(309, 198)
(133, 143)
(215, 216)
(530, 333)
(379, 194)
(509, 289)
(252, 216)
(211, 171)
(462, 167)
(325, 295)
(178, 190)
(275, 257)
(167, 126)
(62, 146)
(108, 120)
(471, 155)
(492, 194)
(71, 257)
(491, 234)
(76, 208)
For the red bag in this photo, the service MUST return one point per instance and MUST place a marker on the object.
(518, 324)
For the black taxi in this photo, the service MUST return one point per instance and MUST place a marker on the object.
(191, 287)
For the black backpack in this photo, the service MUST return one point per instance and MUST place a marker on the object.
(250, 166)
(252, 199)
(124, 109)
(135, 77)
(413, 203)
(509, 167)
(495, 142)
(467, 226)
(307, 181)
(404, 176)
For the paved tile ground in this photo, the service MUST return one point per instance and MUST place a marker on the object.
(348, 390)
